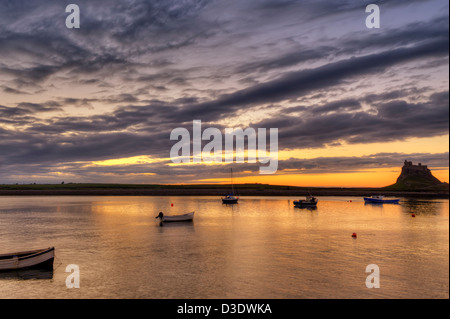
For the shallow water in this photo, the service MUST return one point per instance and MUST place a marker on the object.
(263, 247)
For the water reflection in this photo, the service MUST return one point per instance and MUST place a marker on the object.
(422, 207)
(187, 224)
(229, 205)
(27, 274)
(305, 208)
(378, 204)
(264, 247)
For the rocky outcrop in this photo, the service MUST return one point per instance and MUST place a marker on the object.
(414, 177)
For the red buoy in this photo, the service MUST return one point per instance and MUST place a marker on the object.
(354, 235)
(413, 215)
(171, 205)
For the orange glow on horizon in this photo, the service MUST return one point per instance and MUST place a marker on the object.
(366, 178)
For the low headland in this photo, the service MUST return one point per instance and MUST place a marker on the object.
(209, 190)
(414, 181)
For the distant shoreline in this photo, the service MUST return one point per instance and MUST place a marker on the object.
(206, 190)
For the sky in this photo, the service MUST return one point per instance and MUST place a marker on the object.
(98, 103)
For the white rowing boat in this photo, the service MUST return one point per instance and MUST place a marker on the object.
(176, 218)
(40, 258)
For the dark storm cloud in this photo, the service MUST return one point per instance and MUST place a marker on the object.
(143, 45)
(47, 150)
(11, 112)
(9, 90)
(24, 113)
(65, 59)
(391, 121)
(103, 136)
(112, 36)
(33, 108)
(300, 55)
(410, 34)
(33, 74)
(338, 106)
(79, 172)
(313, 10)
(414, 32)
(409, 93)
(128, 131)
(147, 16)
(125, 30)
(136, 130)
(296, 84)
(356, 164)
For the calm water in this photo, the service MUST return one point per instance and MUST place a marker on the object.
(261, 248)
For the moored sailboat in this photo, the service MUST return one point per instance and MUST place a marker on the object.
(230, 198)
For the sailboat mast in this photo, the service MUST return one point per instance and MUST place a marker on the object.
(232, 182)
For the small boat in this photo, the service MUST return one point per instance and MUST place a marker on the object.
(176, 218)
(310, 201)
(40, 258)
(380, 199)
(230, 198)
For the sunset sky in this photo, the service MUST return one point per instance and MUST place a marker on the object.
(97, 104)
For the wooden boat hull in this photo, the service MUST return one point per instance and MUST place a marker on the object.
(380, 201)
(229, 200)
(310, 201)
(41, 258)
(302, 203)
(178, 218)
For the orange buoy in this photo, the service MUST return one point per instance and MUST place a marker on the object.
(354, 235)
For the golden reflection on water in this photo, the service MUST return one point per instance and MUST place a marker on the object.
(263, 247)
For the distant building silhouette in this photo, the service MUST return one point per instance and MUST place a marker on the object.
(409, 170)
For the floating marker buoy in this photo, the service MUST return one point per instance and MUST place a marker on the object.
(171, 205)
(354, 235)
(350, 201)
(413, 215)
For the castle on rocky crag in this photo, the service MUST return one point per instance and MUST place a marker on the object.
(416, 175)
